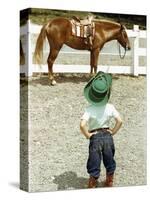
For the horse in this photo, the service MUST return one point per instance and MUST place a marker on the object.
(59, 31)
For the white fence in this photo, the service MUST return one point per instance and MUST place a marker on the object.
(29, 68)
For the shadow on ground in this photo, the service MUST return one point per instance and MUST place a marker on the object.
(60, 78)
(70, 78)
(70, 180)
(14, 184)
(43, 80)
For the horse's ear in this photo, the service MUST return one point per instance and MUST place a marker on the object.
(121, 27)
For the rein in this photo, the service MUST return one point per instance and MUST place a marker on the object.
(120, 54)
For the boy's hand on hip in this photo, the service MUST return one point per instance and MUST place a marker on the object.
(110, 131)
(90, 135)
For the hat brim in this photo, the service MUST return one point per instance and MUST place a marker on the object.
(87, 90)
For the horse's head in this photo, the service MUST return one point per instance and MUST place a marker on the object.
(123, 38)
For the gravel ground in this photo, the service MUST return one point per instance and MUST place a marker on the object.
(58, 151)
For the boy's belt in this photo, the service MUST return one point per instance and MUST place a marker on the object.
(99, 129)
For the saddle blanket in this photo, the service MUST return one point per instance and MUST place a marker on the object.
(81, 30)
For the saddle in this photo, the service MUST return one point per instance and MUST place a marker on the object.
(82, 28)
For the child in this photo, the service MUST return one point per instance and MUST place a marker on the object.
(95, 126)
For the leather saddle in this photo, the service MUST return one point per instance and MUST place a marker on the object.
(82, 28)
(80, 22)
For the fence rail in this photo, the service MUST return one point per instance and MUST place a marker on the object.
(29, 68)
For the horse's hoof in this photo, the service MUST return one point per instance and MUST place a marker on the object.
(53, 82)
(93, 74)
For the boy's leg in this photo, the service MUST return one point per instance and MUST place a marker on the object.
(108, 159)
(93, 163)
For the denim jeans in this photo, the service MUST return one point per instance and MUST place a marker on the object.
(101, 147)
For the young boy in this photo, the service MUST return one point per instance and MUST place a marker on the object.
(95, 126)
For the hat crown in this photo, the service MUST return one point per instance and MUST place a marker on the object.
(97, 90)
(100, 85)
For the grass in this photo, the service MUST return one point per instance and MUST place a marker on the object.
(42, 16)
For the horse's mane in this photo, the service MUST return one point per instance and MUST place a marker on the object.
(109, 22)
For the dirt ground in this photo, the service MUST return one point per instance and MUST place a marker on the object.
(58, 151)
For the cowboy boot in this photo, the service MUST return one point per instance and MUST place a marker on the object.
(109, 180)
(92, 182)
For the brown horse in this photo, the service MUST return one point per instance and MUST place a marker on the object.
(59, 32)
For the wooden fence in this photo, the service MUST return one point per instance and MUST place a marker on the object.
(29, 68)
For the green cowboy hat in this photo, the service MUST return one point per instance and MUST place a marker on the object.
(97, 90)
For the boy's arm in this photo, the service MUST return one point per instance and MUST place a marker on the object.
(117, 125)
(84, 130)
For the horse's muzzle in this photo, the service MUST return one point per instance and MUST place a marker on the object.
(128, 48)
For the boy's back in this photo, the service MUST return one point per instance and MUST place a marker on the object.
(99, 116)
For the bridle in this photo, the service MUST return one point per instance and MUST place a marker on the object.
(119, 47)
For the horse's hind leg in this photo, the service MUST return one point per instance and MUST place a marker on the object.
(51, 58)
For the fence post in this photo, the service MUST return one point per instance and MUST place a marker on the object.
(135, 50)
(29, 53)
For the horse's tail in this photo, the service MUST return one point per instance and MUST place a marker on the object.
(38, 53)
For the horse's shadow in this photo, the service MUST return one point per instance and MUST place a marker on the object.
(60, 78)
(73, 78)
(70, 180)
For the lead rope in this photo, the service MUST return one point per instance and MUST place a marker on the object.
(121, 56)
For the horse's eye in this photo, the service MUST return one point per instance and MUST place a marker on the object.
(124, 34)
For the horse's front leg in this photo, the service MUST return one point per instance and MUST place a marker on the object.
(94, 60)
(91, 63)
(51, 58)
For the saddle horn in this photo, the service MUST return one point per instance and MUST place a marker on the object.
(76, 18)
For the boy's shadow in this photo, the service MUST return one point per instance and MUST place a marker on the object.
(70, 180)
